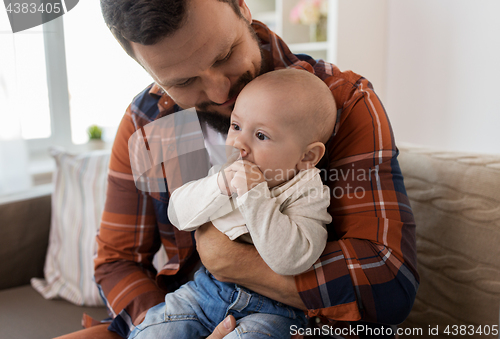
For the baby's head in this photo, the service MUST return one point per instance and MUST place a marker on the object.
(281, 121)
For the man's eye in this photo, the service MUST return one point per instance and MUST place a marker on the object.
(261, 136)
(235, 126)
(226, 58)
(185, 83)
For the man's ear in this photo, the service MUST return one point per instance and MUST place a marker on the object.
(245, 11)
(314, 153)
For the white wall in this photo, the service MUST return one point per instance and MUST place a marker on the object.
(441, 67)
(362, 40)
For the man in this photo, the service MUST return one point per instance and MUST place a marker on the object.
(201, 53)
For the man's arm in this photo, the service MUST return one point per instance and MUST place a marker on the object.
(248, 269)
(127, 240)
(134, 225)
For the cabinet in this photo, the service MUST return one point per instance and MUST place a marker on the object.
(276, 14)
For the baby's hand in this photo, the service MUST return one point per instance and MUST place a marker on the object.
(224, 180)
(245, 176)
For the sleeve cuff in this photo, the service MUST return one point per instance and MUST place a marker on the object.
(256, 193)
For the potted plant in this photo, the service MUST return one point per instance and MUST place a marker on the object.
(95, 137)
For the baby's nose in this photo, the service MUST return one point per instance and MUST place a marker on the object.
(243, 153)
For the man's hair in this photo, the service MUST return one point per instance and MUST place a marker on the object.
(147, 21)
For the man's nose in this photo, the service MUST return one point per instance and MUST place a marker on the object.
(216, 86)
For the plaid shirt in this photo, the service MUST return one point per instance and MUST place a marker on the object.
(368, 268)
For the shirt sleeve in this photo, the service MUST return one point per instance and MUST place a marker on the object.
(368, 268)
(303, 221)
(192, 204)
(127, 240)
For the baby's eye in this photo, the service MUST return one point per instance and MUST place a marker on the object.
(261, 136)
(235, 126)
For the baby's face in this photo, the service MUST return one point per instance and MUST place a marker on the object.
(260, 130)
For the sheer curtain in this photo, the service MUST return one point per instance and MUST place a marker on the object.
(14, 173)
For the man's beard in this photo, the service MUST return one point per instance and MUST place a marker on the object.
(216, 120)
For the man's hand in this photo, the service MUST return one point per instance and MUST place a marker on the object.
(224, 328)
(245, 176)
(140, 318)
(217, 252)
(231, 261)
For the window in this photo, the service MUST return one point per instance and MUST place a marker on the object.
(102, 78)
(55, 81)
(78, 65)
(23, 83)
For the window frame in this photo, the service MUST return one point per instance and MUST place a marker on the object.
(57, 87)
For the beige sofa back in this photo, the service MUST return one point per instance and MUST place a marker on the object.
(456, 202)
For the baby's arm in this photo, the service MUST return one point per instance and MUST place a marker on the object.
(289, 241)
(192, 204)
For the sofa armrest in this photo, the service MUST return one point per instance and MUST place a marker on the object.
(24, 236)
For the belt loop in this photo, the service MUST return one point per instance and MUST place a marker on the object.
(242, 300)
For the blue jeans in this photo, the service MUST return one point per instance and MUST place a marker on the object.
(196, 308)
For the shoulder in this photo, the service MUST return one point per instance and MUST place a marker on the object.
(149, 105)
(361, 117)
(346, 86)
(327, 71)
(145, 104)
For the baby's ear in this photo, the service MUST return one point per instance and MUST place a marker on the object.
(314, 153)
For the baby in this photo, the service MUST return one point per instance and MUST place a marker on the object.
(271, 196)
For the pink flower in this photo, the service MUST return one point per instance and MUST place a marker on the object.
(307, 12)
(295, 15)
(317, 3)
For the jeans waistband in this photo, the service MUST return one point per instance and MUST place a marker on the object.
(242, 300)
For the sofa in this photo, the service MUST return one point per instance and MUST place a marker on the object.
(455, 199)
(24, 237)
(456, 202)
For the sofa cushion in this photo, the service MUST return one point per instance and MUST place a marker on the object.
(26, 314)
(456, 202)
(24, 235)
(77, 204)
